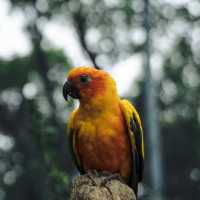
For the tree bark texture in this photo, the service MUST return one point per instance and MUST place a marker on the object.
(95, 187)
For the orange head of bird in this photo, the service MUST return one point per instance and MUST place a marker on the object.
(84, 83)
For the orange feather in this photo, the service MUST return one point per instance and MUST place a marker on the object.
(101, 131)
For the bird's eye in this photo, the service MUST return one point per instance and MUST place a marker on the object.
(84, 78)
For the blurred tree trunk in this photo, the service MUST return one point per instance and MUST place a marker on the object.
(151, 113)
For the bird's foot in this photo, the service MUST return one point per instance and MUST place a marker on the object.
(110, 177)
(91, 174)
(105, 173)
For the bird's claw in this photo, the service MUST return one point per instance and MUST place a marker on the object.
(90, 174)
(110, 177)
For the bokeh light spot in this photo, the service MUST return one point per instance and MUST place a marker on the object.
(6, 142)
(29, 90)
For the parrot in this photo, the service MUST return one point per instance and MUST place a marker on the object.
(105, 132)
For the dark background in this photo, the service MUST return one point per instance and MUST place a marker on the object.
(35, 163)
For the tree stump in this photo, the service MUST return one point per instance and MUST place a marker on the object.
(94, 187)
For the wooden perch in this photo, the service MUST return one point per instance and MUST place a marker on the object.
(94, 187)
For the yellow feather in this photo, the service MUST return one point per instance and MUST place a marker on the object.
(70, 132)
(130, 111)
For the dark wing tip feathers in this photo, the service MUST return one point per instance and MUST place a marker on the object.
(135, 127)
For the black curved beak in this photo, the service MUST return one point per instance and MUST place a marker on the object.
(70, 90)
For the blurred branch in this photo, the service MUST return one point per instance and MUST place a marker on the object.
(43, 68)
(93, 187)
(80, 24)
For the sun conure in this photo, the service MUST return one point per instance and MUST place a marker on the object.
(105, 131)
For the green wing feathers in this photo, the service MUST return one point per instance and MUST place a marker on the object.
(136, 137)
